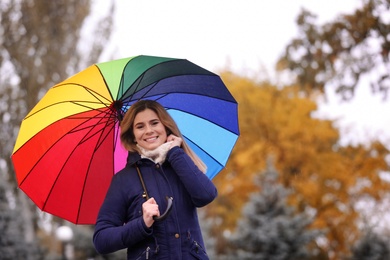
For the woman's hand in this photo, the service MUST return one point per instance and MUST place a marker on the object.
(149, 210)
(176, 141)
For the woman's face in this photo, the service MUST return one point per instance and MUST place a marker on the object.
(148, 130)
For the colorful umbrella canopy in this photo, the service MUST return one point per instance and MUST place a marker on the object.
(68, 147)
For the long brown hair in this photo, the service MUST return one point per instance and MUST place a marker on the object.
(127, 134)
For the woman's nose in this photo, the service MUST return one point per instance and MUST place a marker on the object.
(148, 129)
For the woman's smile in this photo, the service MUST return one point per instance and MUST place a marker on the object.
(151, 139)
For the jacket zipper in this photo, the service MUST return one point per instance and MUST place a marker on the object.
(197, 247)
(147, 253)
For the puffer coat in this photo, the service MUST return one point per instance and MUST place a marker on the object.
(120, 224)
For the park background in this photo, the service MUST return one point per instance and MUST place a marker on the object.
(308, 178)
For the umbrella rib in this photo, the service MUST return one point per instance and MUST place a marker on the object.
(95, 94)
(98, 144)
(152, 86)
(57, 103)
(204, 151)
(195, 115)
(187, 112)
(97, 97)
(58, 175)
(100, 100)
(106, 123)
(72, 130)
(139, 79)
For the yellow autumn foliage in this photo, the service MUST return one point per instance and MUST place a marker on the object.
(325, 177)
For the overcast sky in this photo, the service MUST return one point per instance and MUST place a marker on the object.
(246, 35)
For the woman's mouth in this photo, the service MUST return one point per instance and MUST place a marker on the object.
(151, 139)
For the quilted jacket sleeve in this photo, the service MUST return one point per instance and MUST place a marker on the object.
(197, 184)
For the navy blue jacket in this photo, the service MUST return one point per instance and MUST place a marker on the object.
(120, 224)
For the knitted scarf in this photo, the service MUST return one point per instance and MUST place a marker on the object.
(157, 155)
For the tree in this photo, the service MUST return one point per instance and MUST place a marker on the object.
(206, 225)
(341, 52)
(39, 46)
(84, 248)
(12, 244)
(270, 228)
(371, 246)
(326, 178)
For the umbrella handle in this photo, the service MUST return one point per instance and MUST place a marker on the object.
(167, 210)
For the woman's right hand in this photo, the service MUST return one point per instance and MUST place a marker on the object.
(149, 210)
(176, 141)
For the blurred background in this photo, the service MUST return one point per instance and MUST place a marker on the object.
(309, 176)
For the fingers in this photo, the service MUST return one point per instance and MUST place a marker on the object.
(150, 209)
(176, 141)
(151, 201)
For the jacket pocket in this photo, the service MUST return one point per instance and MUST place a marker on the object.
(197, 251)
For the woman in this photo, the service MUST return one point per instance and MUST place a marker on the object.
(168, 167)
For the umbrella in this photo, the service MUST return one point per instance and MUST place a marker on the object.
(68, 147)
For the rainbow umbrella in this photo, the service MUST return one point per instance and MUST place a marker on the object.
(68, 147)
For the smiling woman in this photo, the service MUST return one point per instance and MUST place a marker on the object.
(160, 164)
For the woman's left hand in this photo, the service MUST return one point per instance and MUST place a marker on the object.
(176, 141)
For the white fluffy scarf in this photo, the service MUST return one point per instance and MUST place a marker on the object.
(157, 155)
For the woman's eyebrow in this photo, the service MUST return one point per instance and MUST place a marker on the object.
(139, 123)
